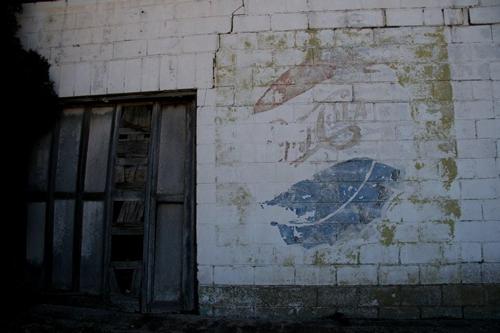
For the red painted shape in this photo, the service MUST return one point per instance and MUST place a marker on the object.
(292, 83)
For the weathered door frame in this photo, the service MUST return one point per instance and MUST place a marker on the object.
(189, 282)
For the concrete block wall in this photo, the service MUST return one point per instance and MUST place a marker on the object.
(339, 142)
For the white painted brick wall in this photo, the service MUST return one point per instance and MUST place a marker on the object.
(391, 62)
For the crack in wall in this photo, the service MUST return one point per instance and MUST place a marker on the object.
(219, 35)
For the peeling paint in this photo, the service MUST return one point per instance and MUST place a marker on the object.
(348, 194)
(341, 139)
(298, 79)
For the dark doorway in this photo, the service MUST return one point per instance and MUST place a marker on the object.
(111, 209)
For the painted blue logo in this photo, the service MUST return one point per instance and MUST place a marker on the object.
(350, 193)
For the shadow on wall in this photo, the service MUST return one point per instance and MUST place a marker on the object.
(30, 109)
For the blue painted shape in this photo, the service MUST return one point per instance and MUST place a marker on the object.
(348, 193)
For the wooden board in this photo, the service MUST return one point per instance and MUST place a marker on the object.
(91, 264)
(98, 148)
(62, 267)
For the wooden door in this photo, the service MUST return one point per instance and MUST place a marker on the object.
(111, 208)
(172, 241)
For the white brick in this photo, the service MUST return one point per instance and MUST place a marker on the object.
(287, 57)
(380, 92)
(357, 275)
(480, 148)
(192, 9)
(470, 71)
(294, 21)
(296, 5)
(482, 90)
(133, 70)
(391, 275)
(116, 76)
(479, 189)
(420, 253)
(433, 274)
(491, 252)
(129, 49)
(491, 273)
(495, 29)
(246, 59)
(488, 128)
(465, 129)
(477, 231)
(99, 79)
(239, 275)
(354, 19)
(307, 275)
(433, 16)
(67, 80)
(332, 93)
(77, 36)
(320, 5)
(470, 252)
(205, 193)
(362, 18)
(200, 26)
(476, 168)
(378, 254)
(496, 89)
(471, 273)
(82, 79)
(199, 43)
(265, 7)
(495, 71)
(327, 275)
(474, 110)
(435, 232)
(164, 46)
(168, 72)
(404, 17)
(204, 70)
(205, 275)
(392, 111)
(491, 209)
(471, 210)
(453, 16)
(274, 275)
(471, 34)
(252, 23)
(484, 15)
(150, 74)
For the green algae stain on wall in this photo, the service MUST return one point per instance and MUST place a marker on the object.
(448, 169)
(387, 234)
(432, 104)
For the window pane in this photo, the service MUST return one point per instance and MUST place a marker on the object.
(172, 150)
(98, 148)
(92, 247)
(39, 165)
(62, 270)
(132, 148)
(35, 234)
(68, 150)
(168, 252)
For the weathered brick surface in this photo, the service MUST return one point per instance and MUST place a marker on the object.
(289, 89)
(394, 302)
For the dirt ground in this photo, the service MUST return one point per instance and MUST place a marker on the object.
(52, 318)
